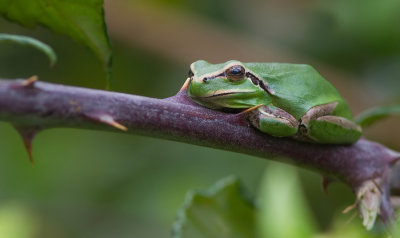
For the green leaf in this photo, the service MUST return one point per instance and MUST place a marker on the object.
(25, 40)
(375, 114)
(395, 231)
(343, 227)
(283, 209)
(220, 212)
(80, 20)
(17, 220)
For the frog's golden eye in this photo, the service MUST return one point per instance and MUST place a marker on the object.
(235, 73)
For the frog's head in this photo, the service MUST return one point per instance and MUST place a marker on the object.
(226, 85)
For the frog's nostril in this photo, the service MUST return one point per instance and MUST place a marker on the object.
(205, 80)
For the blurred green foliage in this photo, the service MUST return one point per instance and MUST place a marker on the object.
(225, 210)
(360, 36)
(28, 41)
(221, 211)
(83, 21)
(376, 114)
(355, 33)
(97, 184)
(220, 12)
(278, 208)
(16, 221)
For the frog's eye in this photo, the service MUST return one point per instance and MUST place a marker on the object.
(235, 73)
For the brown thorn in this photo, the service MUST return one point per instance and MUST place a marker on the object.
(28, 134)
(351, 218)
(250, 109)
(325, 184)
(185, 85)
(351, 207)
(107, 119)
(243, 115)
(28, 147)
(29, 83)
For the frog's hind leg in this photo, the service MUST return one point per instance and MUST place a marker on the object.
(274, 121)
(322, 127)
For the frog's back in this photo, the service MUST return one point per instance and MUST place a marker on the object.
(298, 87)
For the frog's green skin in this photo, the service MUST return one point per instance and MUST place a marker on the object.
(283, 99)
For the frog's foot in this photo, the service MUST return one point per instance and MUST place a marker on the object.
(320, 126)
(273, 121)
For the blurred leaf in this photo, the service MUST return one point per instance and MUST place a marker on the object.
(25, 40)
(353, 34)
(222, 211)
(375, 114)
(373, 22)
(343, 228)
(284, 212)
(396, 228)
(16, 221)
(80, 20)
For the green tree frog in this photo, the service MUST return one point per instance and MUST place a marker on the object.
(282, 100)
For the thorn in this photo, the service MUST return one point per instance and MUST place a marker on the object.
(245, 113)
(351, 207)
(185, 85)
(106, 119)
(28, 134)
(29, 83)
(351, 218)
(251, 109)
(325, 184)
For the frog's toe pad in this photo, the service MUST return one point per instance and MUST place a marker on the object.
(340, 121)
(333, 130)
(277, 122)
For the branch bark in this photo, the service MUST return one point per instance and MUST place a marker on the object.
(32, 106)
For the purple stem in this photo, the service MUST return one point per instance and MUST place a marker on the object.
(44, 105)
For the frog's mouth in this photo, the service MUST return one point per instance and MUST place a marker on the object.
(224, 93)
(226, 99)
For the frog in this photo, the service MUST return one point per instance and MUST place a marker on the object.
(278, 99)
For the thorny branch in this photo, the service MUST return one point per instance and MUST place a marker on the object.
(365, 166)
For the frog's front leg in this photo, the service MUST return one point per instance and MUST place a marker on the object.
(322, 127)
(274, 121)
